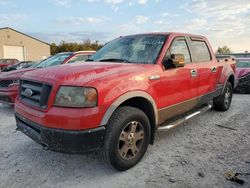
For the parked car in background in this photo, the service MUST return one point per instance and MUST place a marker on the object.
(243, 75)
(9, 81)
(7, 62)
(66, 57)
(16, 66)
(117, 100)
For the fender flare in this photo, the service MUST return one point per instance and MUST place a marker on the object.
(224, 85)
(123, 98)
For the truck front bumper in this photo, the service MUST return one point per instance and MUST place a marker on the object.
(68, 141)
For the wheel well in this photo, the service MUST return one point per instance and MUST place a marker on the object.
(146, 106)
(231, 80)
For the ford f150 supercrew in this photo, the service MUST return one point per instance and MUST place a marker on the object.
(115, 102)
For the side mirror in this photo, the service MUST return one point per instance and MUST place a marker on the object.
(178, 60)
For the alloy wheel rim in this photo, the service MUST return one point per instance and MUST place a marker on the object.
(131, 140)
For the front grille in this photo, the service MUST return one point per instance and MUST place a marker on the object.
(5, 83)
(35, 93)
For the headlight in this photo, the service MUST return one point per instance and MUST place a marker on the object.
(69, 96)
(14, 82)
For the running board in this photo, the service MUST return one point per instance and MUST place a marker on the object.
(182, 120)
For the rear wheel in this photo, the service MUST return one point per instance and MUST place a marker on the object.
(223, 102)
(127, 137)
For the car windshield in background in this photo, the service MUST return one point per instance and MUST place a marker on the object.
(139, 49)
(35, 65)
(243, 64)
(54, 60)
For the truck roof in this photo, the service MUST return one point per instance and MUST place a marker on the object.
(171, 33)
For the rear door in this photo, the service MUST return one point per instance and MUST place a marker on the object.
(207, 67)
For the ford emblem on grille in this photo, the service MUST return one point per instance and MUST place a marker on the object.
(28, 92)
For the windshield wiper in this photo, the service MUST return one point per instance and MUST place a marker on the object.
(115, 59)
(89, 60)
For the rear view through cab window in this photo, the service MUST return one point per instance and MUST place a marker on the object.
(201, 50)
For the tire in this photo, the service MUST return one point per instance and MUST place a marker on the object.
(247, 87)
(223, 102)
(125, 146)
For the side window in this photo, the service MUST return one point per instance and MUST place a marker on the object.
(78, 58)
(201, 51)
(179, 46)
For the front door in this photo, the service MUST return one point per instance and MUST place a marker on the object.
(178, 86)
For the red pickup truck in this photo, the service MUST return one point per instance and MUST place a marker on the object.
(9, 81)
(6, 62)
(130, 88)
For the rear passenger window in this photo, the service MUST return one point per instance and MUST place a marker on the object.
(179, 46)
(201, 51)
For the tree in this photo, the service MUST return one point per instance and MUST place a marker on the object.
(53, 48)
(74, 46)
(223, 50)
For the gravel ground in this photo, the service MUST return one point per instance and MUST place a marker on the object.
(196, 154)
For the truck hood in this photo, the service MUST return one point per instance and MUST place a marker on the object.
(14, 74)
(83, 73)
(240, 72)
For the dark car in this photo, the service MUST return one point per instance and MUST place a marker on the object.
(16, 66)
(243, 75)
(7, 62)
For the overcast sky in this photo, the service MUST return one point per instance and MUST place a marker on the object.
(224, 22)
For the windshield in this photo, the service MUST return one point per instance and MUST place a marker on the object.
(34, 65)
(243, 63)
(139, 49)
(54, 60)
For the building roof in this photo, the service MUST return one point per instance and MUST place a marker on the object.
(25, 35)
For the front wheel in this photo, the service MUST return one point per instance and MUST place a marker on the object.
(127, 137)
(223, 102)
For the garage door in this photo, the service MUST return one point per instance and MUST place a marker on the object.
(16, 52)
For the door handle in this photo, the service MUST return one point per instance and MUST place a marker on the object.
(193, 73)
(154, 77)
(214, 69)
